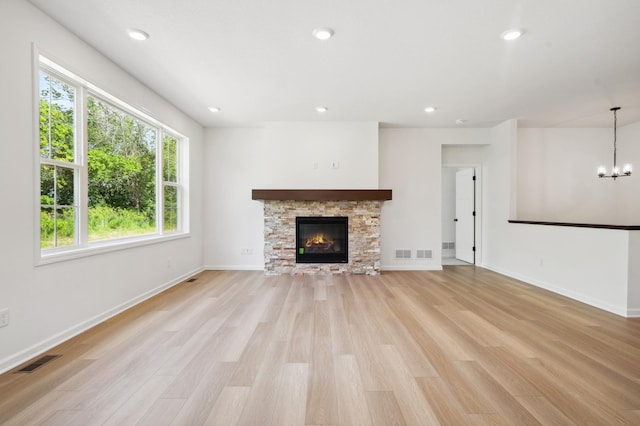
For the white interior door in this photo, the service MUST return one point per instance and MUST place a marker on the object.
(465, 215)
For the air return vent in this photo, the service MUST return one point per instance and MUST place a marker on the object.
(424, 254)
(37, 363)
(403, 254)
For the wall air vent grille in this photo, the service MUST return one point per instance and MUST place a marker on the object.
(403, 254)
(424, 254)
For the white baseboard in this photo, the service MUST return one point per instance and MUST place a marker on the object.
(15, 360)
(412, 268)
(234, 267)
(618, 310)
(633, 313)
(261, 268)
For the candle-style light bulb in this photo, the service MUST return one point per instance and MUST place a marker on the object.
(615, 172)
(627, 169)
(602, 171)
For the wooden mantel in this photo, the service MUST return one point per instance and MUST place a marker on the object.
(321, 194)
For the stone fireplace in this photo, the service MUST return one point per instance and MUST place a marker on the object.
(360, 210)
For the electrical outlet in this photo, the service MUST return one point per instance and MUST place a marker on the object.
(4, 317)
(334, 165)
(246, 251)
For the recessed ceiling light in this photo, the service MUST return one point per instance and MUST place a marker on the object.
(430, 109)
(511, 34)
(461, 121)
(214, 109)
(323, 33)
(138, 34)
(322, 109)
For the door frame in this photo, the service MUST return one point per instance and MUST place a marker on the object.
(477, 167)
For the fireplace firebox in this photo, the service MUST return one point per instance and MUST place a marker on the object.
(322, 239)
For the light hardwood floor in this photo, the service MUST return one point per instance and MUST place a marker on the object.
(460, 346)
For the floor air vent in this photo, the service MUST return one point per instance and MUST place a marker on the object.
(190, 280)
(38, 363)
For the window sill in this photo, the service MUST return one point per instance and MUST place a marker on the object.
(97, 248)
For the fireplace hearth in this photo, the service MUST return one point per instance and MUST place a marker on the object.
(322, 239)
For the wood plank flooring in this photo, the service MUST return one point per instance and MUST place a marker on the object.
(459, 346)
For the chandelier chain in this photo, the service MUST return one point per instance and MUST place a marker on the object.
(615, 128)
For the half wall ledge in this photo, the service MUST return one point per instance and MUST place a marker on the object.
(579, 225)
(321, 194)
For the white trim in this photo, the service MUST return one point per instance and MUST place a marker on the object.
(35, 144)
(15, 360)
(633, 313)
(76, 252)
(411, 268)
(618, 310)
(261, 268)
(234, 267)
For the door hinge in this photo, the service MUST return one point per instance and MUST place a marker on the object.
(474, 213)
(474, 178)
(474, 248)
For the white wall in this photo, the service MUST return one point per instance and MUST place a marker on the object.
(281, 155)
(498, 174)
(50, 303)
(633, 294)
(590, 265)
(628, 189)
(557, 179)
(299, 155)
(235, 160)
(410, 164)
(278, 156)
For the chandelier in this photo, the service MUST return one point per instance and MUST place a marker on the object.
(615, 171)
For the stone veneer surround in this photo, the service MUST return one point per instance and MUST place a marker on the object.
(280, 236)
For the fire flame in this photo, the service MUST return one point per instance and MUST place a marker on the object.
(318, 240)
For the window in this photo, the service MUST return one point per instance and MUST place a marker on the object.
(109, 174)
(58, 163)
(121, 173)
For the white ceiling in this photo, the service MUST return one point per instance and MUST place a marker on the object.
(257, 59)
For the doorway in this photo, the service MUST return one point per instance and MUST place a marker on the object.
(460, 215)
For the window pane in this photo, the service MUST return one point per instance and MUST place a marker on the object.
(58, 208)
(47, 185)
(47, 227)
(57, 119)
(122, 173)
(64, 178)
(65, 223)
(170, 209)
(170, 157)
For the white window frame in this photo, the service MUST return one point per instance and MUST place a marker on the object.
(83, 247)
